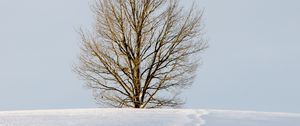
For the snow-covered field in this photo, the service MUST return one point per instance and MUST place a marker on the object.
(153, 117)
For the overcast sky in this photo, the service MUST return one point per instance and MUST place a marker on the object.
(253, 62)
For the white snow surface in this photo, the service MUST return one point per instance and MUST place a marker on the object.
(143, 117)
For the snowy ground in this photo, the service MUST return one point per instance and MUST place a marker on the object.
(158, 117)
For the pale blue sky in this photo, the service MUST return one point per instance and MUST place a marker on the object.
(253, 62)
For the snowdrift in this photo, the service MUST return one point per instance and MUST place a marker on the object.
(153, 117)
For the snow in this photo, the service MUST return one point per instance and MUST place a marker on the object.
(142, 117)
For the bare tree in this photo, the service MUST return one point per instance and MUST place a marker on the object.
(141, 52)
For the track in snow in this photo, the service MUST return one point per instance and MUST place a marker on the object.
(142, 117)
